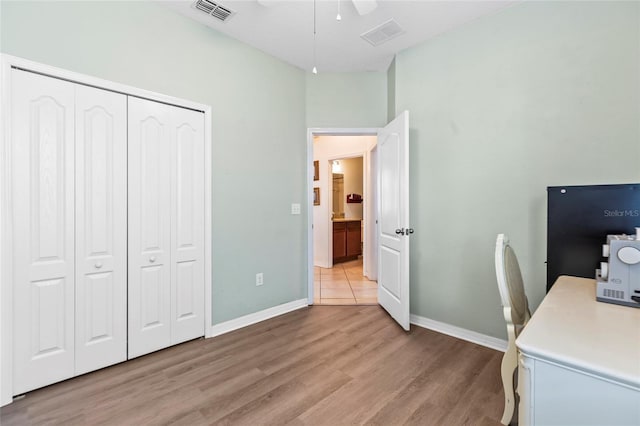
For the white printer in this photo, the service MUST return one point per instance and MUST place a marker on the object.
(618, 279)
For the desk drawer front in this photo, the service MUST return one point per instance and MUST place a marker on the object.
(552, 394)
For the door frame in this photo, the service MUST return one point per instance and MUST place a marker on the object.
(371, 257)
(329, 196)
(7, 62)
(326, 131)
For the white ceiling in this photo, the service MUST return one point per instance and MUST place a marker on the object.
(284, 28)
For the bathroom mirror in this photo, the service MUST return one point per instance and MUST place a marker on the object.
(338, 195)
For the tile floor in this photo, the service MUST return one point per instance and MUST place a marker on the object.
(344, 284)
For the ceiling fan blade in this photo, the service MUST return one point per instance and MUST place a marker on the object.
(365, 6)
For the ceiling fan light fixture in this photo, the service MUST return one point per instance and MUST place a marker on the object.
(267, 3)
(365, 6)
(314, 70)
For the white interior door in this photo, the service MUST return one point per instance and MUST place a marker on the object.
(149, 254)
(393, 227)
(101, 228)
(187, 225)
(42, 148)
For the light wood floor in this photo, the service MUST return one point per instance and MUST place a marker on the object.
(324, 365)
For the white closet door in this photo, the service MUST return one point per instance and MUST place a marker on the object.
(187, 225)
(101, 228)
(149, 191)
(42, 202)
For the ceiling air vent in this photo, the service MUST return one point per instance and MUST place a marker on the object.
(214, 9)
(382, 33)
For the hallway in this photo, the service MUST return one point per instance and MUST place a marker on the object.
(344, 284)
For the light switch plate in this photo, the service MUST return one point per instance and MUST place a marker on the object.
(295, 208)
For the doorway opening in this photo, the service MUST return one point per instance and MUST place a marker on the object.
(344, 284)
(342, 237)
(386, 248)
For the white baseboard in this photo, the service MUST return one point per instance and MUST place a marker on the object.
(234, 324)
(441, 327)
(460, 333)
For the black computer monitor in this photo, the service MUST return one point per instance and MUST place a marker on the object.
(579, 218)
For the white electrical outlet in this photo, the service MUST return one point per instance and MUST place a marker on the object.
(259, 279)
(295, 208)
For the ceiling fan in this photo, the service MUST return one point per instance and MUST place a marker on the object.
(363, 7)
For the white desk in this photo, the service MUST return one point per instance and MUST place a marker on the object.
(579, 360)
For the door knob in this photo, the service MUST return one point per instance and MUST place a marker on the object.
(410, 231)
(98, 265)
(400, 231)
(152, 259)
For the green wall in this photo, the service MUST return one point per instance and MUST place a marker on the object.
(540, 94)
(258, 128)
(356, 99)
(391, 91)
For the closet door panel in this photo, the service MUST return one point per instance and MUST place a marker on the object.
(101, 228)
(149, 226)
(187, 227)
(42, 203)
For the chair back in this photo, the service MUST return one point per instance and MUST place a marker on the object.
(510, 284)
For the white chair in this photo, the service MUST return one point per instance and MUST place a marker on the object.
(516, 314)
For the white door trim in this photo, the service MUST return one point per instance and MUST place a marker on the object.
(370, 264)
(324, 131)
(7, 62)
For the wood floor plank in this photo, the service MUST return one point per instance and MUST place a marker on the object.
(223, 406)
(407, 401)
(372, 386)
(289, 400)
(324, 365)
